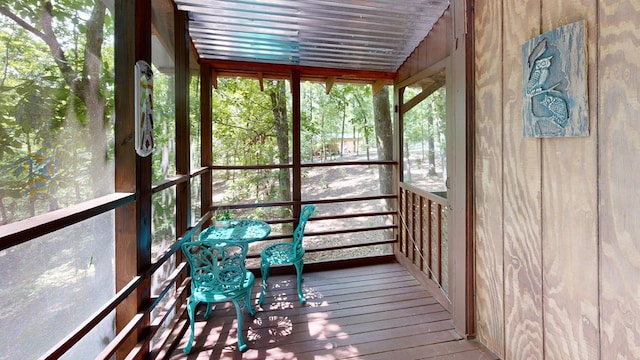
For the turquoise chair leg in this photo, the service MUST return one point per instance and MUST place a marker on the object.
(299, 266)
(264, 269)
(208, 312)
(242, 345)
(191, 309)
(252, 311)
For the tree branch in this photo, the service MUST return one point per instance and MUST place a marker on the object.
(8, 13)
(49, 37)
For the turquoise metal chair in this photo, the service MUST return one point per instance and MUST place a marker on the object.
(287, 253)
(218, 274)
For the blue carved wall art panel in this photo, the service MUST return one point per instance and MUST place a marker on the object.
(554, 88)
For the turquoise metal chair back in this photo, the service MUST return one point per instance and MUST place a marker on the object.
(218, 274)
(287, 253)
(298, 233)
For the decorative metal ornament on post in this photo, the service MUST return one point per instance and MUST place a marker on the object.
(144, 108)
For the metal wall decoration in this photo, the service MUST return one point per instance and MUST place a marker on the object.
(144, 108)
(554, 89)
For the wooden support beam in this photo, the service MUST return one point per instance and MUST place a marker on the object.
(205, 138)
(261, 81)
(296, 150)
(377, 86)
(330, 81)
(214, 77)
(306, 72)
(132, 172)
(182, 126)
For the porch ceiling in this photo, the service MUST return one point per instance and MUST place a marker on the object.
(371, 35)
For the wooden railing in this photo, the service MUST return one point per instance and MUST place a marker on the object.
(422, 240)
(168, 303)
(173, 290)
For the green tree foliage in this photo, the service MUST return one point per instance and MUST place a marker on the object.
(56, 97)
(253, 127)
(54, 83)
(329, 119)
(424, 130)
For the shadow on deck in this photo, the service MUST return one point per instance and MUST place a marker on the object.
(371, 312)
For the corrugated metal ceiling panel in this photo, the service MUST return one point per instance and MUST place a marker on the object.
(348, 34)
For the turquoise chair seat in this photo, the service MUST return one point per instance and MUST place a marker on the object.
(282, 253)
(218, 275)
(287, 253)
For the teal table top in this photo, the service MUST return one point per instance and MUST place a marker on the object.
(245, 230)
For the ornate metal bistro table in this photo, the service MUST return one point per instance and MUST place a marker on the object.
(241, 230)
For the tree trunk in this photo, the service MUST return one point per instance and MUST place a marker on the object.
(279, 103)
(93, 99)
(384, 143)
(384, 137)
(432, 148)
(344, 120)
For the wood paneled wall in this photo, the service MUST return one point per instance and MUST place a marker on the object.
(557, 243)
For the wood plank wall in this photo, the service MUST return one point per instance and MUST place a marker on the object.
(557, 243)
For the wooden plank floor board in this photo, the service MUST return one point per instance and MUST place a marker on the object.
(374, 312)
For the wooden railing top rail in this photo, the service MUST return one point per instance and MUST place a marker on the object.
(22, 231)
(433, 196)
(303, 202)
(304, 165)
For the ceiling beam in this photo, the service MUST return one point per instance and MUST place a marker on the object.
(279, 71)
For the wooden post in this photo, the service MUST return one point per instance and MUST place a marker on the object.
(132, 172)
(205, 136)
(183, 139)
(297, 156)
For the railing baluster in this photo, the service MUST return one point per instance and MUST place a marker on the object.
(439, 240)
(405, 210)
(430, 238)
(413, 228)
(421, 232)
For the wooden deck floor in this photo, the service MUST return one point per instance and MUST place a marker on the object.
(374, 312)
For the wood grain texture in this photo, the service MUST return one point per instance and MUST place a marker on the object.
(522, 204)
(434, 48)
(619, 146)
(488, 176)
(569, 216)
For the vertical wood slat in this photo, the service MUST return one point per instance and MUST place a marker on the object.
(523, 313)
(569, 203)
(421, 233)
(416, 225)
(400, 227)
(412, 226)
(618, 140)
(439, 241)
(488, 173)
(430, 237)
(406, 216)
